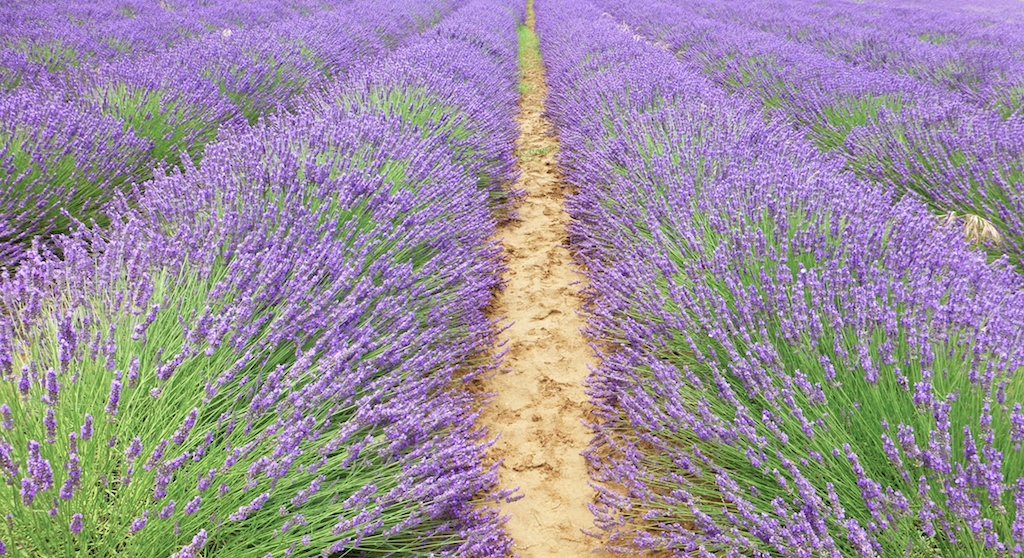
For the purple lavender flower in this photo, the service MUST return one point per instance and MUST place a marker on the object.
(28, 491)
(39, 468)
(133, 372)
(182, 432)
(23, 383)
(206, 480)
(167, 511)
(51, 425)
(115, 396)
(248, 509)
(192, 549)
(52, 396)
(140, 522)
(134, 449)
(86, 431)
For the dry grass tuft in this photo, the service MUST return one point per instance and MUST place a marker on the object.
(977, 229)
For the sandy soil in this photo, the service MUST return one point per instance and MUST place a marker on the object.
(539, 397)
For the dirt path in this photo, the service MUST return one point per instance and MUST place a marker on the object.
(540, 399)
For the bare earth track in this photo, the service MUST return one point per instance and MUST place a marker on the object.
(540, 398)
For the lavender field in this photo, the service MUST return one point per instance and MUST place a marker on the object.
(494, 278)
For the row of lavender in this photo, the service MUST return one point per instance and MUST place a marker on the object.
(891, 128)
(795, 365)
(261, 355)
(978, 56)
(1001, 10)
(72, 134)
(48, 36)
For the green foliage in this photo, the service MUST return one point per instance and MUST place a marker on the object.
(432, 116)
(426, 22)
(1009, 100)
(830, 128)
(127, 11)
(167, 124)
(115, 491)
(852, 410)
(937, 38)
(529, 54)
(120, 45)
(55, 55)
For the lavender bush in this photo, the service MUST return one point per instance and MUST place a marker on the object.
(58, 163)
(261, 355)
(795, 365)
(169, 103)
(278, 364)
(976, 55)
(165, 100)
(891, 128)
(62, 34)
(444, 84)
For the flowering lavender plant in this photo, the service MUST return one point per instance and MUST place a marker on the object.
(443, 87)
(59, 163)
(65, 161)
(261, 354)
(957, 153)
(279, 366)
(164, 100)
(795, 365)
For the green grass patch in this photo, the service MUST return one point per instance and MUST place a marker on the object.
(831, 127)
(529, 56)
(171, 125)
(54, 55)
(536, 152)
(937, 38)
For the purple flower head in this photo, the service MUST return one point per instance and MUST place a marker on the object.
(24, 383)
(115, 396)
(167, 511)
(38, 468)
(247, 510)
(28, 491)
(182, 432)
(86, 431)
(156, 456)
(206, 480)
(133, 372)
(52, 396)
(1017, 426)
(140, 522)
(51, 425)
(67, 490)
(192, 549)
(134, 449)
